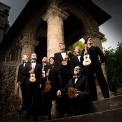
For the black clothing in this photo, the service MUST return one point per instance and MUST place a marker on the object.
(21, 79)
(88, 71)
(65, 70)
(32, 89)
(54, 78)
(79, 104)
(76, 62)
(97, 57)
(65, 76)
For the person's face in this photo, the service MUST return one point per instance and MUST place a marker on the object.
(51, 61)
(61, 46)
(44, 59)
(89, 41)
(76, 70)
(77, 49)
(34, 56)
(24, 57)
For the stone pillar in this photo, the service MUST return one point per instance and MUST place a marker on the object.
(55, 30)
(28, 46)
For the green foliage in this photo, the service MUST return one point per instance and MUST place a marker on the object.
(103, 40)
(78, 43)
(119, 91)
(114, 67)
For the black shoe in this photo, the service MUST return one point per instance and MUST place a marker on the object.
(35, 118)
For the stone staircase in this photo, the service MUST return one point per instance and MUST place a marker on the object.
(108, 110)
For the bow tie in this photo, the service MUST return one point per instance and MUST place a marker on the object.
(75, 77)
(63, 52)
(33, 61)
(24, 62)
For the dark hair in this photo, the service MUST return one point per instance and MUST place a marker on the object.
(87, 39)
(52, 58)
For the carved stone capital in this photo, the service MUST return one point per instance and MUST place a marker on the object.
(98, 34)
(28, 41)
(54, 11)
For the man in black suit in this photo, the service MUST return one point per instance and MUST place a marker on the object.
(76, 60)
(80, 101)
(33, 83)
(97, 57)
(65, 69)
(63, 59)
(21, 79)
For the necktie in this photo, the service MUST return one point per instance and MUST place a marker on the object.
(75, 80)
(24, 64)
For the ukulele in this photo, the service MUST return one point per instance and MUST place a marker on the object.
(86, 57)
(48, 86)
(65, 60)
(32, 76)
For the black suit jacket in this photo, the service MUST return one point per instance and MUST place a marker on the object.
(95, 53)
(58, 57)
(21, 77)
(37, 72)
(82, 85)
(75, 62)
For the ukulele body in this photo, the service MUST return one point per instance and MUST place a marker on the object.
(87, 60)
(32, 77)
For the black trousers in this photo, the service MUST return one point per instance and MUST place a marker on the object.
(90, 73)
(32, 99)
(23, 91)
(101, 79)
(79, 105)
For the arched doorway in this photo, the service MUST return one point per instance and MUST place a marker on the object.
(41, 36)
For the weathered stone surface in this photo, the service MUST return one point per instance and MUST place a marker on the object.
(107, 104)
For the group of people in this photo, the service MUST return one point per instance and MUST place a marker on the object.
(65, 78)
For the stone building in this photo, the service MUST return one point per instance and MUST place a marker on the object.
(4, 24)
(39, 28)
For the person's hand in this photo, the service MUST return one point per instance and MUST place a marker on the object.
(47, 74)
(77, 94)
(59, 93)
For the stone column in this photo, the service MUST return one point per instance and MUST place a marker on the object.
(28, 46)
(55, 30)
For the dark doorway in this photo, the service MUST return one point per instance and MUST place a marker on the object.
(41, 49)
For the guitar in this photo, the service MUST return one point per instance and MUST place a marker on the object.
(86, 57)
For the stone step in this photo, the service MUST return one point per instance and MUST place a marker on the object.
(114, 115)
(107, 104)
(103, 110)
(104, 116)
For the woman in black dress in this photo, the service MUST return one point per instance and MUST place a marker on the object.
(52, 85)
